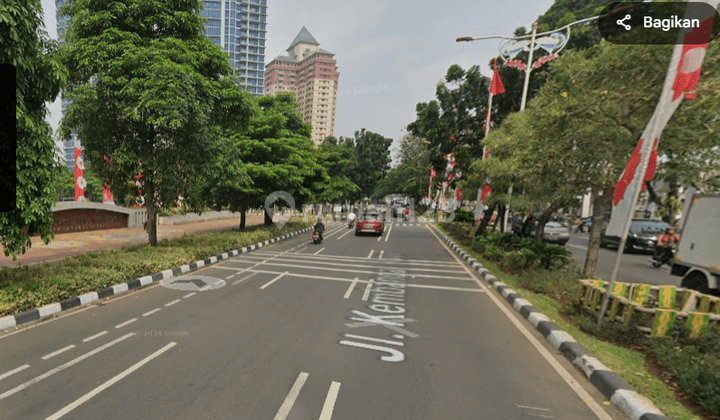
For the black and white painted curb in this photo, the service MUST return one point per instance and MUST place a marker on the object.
(11, 321)
(620, 393)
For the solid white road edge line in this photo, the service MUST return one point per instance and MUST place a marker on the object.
(291, 397)
(55, 353)
(329, 405)
(109, 383)
(273, 281)
(564, 374)
(63, 367)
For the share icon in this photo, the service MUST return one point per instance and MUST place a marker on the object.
(621, 22)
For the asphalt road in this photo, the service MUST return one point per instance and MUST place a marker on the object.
(361, 328)
(634, 268)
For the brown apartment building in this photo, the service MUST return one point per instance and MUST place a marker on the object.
(312, 74)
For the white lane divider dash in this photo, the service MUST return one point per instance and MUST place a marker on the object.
(273, 280)
(173, 302)
(14, 371)
(70, 407)
(381, 254)
(321, 250)
(151, 312)
(370, 254)
(55, 353)
(230, 276)
(191, 294)
(291, 397)
(329, 405)
(367, 290)
(100, 334)
(62, 367)
(387, 236)
(350, 289)
(126, 323)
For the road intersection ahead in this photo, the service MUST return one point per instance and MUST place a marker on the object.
(393, 327)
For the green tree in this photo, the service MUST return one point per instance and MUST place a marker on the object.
(412, 174)
(589, 115)
(65, 183)
(372, 161)
(40, 77)
(336, 158)
(149, 91)
(275, 154)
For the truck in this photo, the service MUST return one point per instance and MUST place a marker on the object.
(697, 259)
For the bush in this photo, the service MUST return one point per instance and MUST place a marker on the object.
(493, 253)
(562, 286)
(695, 369)
(514, 261)
(464, 216)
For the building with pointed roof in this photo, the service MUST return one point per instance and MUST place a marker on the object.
(312, 74)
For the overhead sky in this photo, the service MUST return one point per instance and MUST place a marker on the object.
(390, 54)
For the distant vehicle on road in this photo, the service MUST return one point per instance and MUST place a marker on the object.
(642, 236)
(555, 231)
(697, 258)
(370, 223)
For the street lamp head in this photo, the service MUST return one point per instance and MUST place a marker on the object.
(464, 38)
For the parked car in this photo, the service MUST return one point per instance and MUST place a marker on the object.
(556, 232)
(370, 223)
(642, 235)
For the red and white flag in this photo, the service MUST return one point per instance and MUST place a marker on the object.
(107, 195)
(681, 82)
(80, 182)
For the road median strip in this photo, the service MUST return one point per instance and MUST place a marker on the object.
(620, 393)
(12, 321)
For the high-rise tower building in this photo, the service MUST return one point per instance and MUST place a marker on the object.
(69, 144)
(239, 27)
(311, 73)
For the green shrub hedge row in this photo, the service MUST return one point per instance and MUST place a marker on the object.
(32, 286)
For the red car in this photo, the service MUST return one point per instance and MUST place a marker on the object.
(370, 223)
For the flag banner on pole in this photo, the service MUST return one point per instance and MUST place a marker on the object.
(681, 82)
(432, 173)
(80, 182)
(496, 86)
(107, 195)
(458, 195)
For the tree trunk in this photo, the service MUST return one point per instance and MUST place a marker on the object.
(501, 217)
(243, 214)
(672, 197)
(151, 216)
(540, 228)
(268, 218)
(487, 214)
(591, 257)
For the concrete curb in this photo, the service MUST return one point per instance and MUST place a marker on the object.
(620, 393)
(11, 321)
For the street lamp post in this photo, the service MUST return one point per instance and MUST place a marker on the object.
(519, 45)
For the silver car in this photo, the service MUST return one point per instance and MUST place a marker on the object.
(556, 233)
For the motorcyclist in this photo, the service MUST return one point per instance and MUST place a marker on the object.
(351, 217)
(665, 243)
(406, 213)
(319, 227)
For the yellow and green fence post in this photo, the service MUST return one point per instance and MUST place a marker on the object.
(663, 322)
(666, 297)
(697, 323)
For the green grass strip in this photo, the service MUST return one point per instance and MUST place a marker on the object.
(31, 286)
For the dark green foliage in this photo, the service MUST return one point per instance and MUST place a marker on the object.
(372, 161)
(464, 216)
(40, 76)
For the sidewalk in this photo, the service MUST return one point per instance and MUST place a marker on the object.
(68, 244)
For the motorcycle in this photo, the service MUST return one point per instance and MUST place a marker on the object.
(351, 223)
(663, 255)
(316, 238)
(406, 217)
